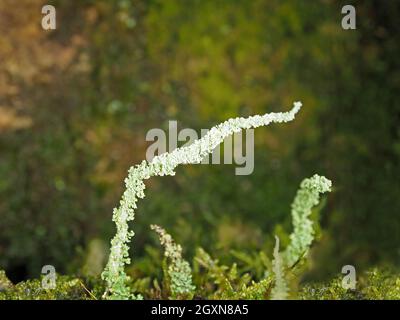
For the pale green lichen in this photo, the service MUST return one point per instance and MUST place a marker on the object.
(303, 233)
(280, 290)
(179, 273)
(165, 164)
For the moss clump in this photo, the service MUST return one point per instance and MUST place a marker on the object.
(372, 285)
(5, 283)
(218, 282)
(67, 288)
(333, 290)
(381, 285)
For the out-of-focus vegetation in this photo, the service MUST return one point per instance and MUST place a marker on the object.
(76, 103)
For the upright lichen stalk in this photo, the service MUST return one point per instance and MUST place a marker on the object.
(303, 233)
(161, 165)
(280, 290)
(179, 273)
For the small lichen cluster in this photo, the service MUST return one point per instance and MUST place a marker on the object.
(303, 233)
(165, 164)
(179, 273)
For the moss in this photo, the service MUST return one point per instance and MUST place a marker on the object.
(226, 283)
(381, 285)
(374, 284)
(67, 288)
(333, 290)
(5, 283)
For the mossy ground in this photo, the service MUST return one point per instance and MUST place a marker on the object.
(67, 288)
(372, 285)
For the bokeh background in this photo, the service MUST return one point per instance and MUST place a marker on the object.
(76, 104)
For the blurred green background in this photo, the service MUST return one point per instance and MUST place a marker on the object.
(76, 104)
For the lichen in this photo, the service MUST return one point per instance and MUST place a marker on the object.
(179, 273)
(165, 164)
(303, 233)
(280, 290)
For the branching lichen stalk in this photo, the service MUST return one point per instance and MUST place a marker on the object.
(161, 165)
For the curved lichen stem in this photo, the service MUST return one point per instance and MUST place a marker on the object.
(303, 233)
(161, 165)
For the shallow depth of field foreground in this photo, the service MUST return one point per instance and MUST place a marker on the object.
(244, 150)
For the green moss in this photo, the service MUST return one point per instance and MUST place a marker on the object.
(5, 283)
(333, 290)
(67, 288)
(219, 282)
(381, 285)
(372, 285)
